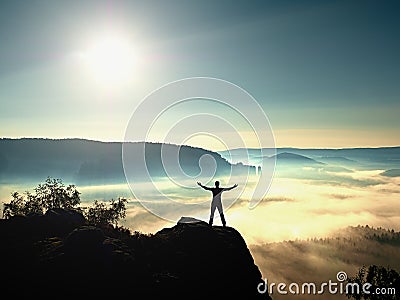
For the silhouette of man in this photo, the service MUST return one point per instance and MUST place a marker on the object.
(216, 201)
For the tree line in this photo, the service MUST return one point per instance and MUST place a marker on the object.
(53, 194)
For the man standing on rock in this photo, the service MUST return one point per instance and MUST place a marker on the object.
(216, 201)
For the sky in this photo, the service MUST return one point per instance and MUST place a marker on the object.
(325, 73)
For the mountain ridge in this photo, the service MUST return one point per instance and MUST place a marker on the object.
(92, 162)
(294, 158)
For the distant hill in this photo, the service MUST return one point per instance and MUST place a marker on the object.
(359, 158)
(391, 173)
(60, 256)
(292, 158)
(93, 162)
(337, 160)
(363, 154)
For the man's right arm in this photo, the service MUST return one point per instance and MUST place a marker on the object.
(203, 186)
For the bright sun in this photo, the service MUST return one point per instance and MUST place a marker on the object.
(110, 59)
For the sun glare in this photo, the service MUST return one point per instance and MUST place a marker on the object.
(111, 60)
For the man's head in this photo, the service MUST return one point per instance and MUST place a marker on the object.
(217, 184)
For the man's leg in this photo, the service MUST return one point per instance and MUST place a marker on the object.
(221, 213)
(213, 207)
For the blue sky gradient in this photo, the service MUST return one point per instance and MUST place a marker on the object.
(326, 73)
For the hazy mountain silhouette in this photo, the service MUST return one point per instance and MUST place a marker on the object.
(337, 160)
(292, 158)
(331, 166)
(358, 154)
(352, 158)
(93, 162)
(58, 255)
(391, 173)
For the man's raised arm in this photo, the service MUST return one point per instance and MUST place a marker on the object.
(203, 186)
(229, 188)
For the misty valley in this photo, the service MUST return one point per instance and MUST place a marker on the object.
(327, 210)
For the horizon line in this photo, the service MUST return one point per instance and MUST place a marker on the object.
(238, 148)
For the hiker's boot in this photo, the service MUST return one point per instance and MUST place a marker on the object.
(223, 220)
(210, 222)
